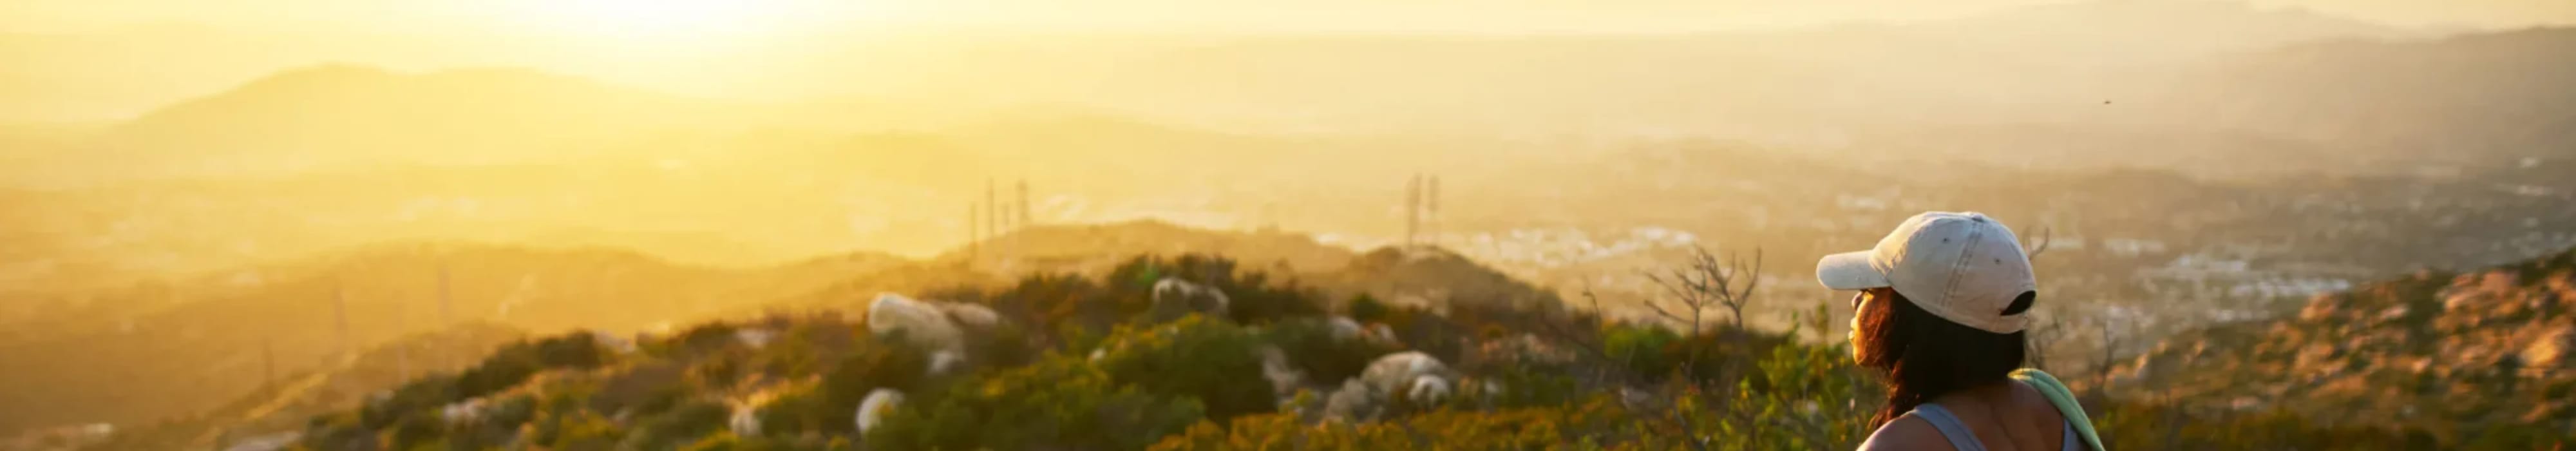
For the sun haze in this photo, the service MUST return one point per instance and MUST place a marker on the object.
(356, 225)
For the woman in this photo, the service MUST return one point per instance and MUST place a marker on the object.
(1941, 312)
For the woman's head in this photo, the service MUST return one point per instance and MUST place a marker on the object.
(1925, 356)
(1941, 307)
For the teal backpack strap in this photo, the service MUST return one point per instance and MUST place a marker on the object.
(2064, 399)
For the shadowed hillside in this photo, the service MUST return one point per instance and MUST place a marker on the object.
(174, 349)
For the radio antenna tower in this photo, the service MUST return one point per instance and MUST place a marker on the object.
(1431, 209)
(1412, 210)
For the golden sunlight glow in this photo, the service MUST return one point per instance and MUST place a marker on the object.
(658, 19)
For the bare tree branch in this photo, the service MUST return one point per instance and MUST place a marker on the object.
(1706, 283)
(2039, 245)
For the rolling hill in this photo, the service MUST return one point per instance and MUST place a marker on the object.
(358, 116)
(2484, 99)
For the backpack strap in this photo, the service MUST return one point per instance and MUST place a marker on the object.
(1950, 427)
(2064, 399)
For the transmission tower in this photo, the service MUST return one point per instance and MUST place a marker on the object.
(446, 306)
(1412, 210)
(1431, 210)
(340, 314)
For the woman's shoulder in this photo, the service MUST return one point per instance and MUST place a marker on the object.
(2034, 404)
(1907, 433)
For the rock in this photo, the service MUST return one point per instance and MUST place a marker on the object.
(920, 322)
(270, 442)
(1428, 389)
(2555, 349)
(1351, 403)
(873, 409)
(1284, 378)
(614, 343)
(942, 362)
(755, 338)
(1394, 372)
(2322, 307)
(1174, 298)
(1418, 376)
(1381, 333)
(2392, 313)
(1344, 328)
(972, 316)
(745, 421)
(462, 412)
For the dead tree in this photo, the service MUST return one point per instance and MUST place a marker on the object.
(2038, 244)
(2107, 357)
(1706, 284)
(2043, 336)
(2046, 333)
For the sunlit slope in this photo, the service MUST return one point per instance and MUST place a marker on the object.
(2464, 355)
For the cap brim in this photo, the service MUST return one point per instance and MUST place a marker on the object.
(1849, 271)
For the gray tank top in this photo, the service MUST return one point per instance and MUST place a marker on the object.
(1960, 437)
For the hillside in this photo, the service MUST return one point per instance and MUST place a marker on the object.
(285, 403)
(1427, 277)
(173, 349)
(1117, 362)
(2480, 356)
(1135, 359)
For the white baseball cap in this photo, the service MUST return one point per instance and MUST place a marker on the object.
(1964, 267)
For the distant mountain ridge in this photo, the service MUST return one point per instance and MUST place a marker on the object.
(2222, 78)
(350, 115)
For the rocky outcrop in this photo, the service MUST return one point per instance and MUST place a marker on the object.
(2554, 350)
(1174, 298)
(2486, 345)
(1418, 378)
(921, 323)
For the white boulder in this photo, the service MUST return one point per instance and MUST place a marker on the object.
(942, 362)
(1419, 377)
(755, 338)
(873, 409)
(923, 323)
(1395, 372)
(462, 412)
(1284, 378)
(971, 316)
(1380, 332)
(1344, 328)
(1428, 389)
(1175, 297)
(745, 421)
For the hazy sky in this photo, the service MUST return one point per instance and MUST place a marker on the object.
(693, 16)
